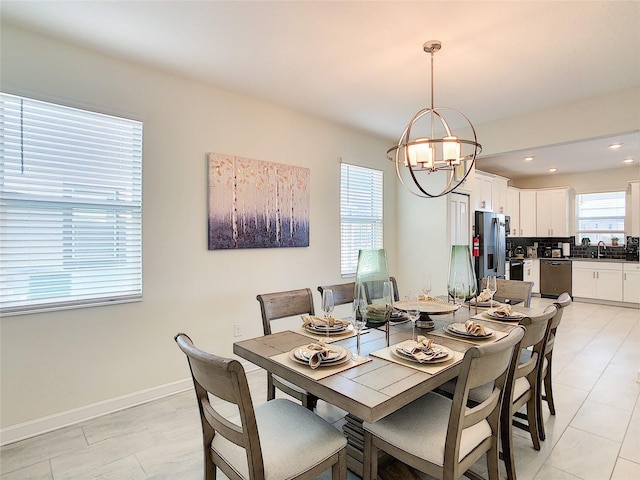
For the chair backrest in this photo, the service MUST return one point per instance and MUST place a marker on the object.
(537, 333)
(224, 379)
(564, 300)
(490, 363)
(343, 293)
(284, 304)
(512, 289)
(373, 290)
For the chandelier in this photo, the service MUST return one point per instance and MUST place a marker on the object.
(429, 145)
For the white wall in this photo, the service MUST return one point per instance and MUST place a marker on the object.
(57, 362)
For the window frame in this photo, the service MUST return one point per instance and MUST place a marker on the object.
(595, 234)
(360, 187)
(71, 204)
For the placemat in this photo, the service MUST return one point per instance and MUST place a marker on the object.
(497, 335)
(320, 372)
(430, 368)
(350, 332)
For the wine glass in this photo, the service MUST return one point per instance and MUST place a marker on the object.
(327, 306)
(387, 299)
(426, 285)
(413, 311)
(492, 286)
(359, 321)
(459, 294)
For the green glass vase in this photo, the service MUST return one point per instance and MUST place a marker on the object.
(461, 271)
(373, 286)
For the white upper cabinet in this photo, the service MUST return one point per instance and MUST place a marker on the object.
(528, 213)
(482, 192)
(499, 195)
(513, 210)
(552, 212)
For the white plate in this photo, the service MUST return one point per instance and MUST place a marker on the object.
(461, 330)
(322, 331)
(400, 352)
(512, 317)
(336, 353)
(345, 357)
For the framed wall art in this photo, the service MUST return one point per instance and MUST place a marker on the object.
(257, 204)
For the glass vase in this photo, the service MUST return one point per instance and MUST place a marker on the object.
(372, 278)
(461, 271)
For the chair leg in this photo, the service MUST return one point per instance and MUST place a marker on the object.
(370, 458)
(492, 462)
(532, 417)
(506, 439)
(339, 469)
(309, 401)
(548, 390)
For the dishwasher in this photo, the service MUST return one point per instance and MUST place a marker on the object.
(555, 277)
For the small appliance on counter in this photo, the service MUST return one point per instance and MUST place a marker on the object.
(556, 253)
(632, 248)
(547, 252)
(532, 252)
(519, 252)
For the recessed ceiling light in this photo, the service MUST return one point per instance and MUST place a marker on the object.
(628, 160)
(528, 158)
(553, 170)
(615, 146)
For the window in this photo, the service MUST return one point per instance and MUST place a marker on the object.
(600, 216)
(70, 207)
(360, 214)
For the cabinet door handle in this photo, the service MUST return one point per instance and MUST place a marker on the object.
(593, 274)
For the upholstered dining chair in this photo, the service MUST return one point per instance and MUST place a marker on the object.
(441, 436)
(512, 289)
(272, 441)
(274, 306)
(563, 301)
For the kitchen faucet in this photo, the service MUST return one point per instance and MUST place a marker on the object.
(604, 247)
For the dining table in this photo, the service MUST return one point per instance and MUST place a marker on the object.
(379, 382)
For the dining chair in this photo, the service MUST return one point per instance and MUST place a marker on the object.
(442, 437)
(343, 293)
(563, 301)
(274, 306)
(272, 441)
(512, 289)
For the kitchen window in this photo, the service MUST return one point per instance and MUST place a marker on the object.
(360, 214)
(600, 217)
(70, 207)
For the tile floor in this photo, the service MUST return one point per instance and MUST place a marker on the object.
(595, 434)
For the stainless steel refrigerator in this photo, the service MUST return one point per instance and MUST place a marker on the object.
(491, 230)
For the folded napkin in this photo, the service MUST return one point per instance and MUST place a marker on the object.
(474, 328)
(424, 350)
(320, 352)
(505, 311)
(322, 322)
(484, 296)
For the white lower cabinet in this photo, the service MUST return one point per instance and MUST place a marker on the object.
(597, 280)
(631, 282)
(531, 273)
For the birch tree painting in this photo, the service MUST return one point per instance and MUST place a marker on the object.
(257, 204)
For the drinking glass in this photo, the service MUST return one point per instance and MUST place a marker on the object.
(492, 286)
(413, 311)
(327, 306)
(460, 294)
(426, 285)
(359, 321)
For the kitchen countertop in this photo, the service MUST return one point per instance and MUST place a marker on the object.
(578, 259)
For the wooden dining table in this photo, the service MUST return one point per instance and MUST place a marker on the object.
(381, 385)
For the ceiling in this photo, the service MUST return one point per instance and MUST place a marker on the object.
(361, 63)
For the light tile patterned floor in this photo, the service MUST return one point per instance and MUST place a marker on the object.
(595, 434)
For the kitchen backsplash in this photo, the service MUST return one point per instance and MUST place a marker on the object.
(577, 251)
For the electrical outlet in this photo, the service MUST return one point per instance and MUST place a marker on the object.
(237, 329)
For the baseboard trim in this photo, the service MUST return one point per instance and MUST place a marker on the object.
(31, 428)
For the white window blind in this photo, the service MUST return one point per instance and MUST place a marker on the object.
(70, 207)
(600, 216)
(360, 214)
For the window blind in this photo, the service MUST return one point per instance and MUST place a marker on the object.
(360, 214)
(70, 207)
